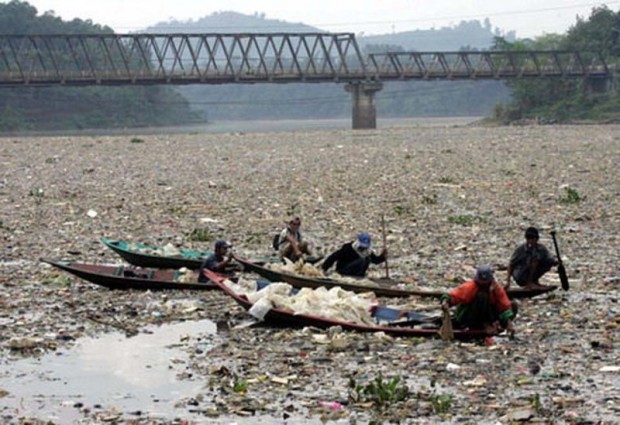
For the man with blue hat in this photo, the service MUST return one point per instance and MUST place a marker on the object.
(219, 261)
(353, 258)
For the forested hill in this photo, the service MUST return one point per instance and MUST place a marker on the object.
(64, 108)
(470, 35)
(328, 100)
(466, 34)
(229, 22)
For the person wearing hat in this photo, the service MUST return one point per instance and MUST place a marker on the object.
(482, 303)
(219, 261)
(290, 243)
(353, 258)
(529, 262)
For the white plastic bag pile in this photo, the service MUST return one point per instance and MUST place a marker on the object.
(334, 304)
(299, 267)
(168, 250)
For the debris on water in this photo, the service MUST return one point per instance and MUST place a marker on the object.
(331, 405)
(452, 198)
(519, 415)
(610, 369)
(23, 343)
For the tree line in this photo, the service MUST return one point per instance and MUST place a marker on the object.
(61, 108)
(567, 100)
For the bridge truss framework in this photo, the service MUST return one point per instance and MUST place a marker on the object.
(123, 59)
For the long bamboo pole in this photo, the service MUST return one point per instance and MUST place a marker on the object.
(387, 268)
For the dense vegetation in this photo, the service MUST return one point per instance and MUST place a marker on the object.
(52, 108)
(563, 100)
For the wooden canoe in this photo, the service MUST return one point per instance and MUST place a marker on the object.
(382, 287)
(143, 255)
(398, 323)
(121, 277)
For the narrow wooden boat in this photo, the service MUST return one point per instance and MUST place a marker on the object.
(381, 287)
(121, 277)
(398, 323)
(143, 255)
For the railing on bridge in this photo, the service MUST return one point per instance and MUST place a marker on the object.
(178, 58)
(486, 65)
(116, 59)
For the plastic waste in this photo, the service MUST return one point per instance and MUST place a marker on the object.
(331, 405)
(260, 308)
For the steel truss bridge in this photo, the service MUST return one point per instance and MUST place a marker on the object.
(144, 59)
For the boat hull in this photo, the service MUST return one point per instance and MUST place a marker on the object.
(282, 317)
(129, 278)
(189, 258)
(383, 288)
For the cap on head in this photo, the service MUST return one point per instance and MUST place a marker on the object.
(221, 244)
(363, 240)
(531, 233)
(484, 273)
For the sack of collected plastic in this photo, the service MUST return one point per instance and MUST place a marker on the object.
(261, 308)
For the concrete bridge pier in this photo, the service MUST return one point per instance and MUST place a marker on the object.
(363, 98)
(597, 85)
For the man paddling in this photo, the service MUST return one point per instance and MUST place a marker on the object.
(354, 258)
(529, 262)
(482, 303)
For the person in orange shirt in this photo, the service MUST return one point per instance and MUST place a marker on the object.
(482, 303)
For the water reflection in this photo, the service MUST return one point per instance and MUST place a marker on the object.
(131, 374)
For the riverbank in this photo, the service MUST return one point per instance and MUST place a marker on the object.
(255, 126)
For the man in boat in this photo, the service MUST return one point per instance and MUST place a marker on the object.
(290, 243)
(482, 303)
(529, 262)
(220, 261)
(354, 258)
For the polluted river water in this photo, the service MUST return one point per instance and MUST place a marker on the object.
(137, 374)
(454, 196)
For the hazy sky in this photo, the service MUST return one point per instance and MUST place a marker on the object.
(528, 17)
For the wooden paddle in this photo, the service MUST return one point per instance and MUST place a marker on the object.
(445, 331)
(561, 269)
(387, 269)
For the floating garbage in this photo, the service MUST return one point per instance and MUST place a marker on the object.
(452, 197)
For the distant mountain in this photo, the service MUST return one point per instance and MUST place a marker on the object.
(299, 101)
(466, 35)
(229, 22)
(470, 34)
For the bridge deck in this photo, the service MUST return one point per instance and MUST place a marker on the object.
(117, 59)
